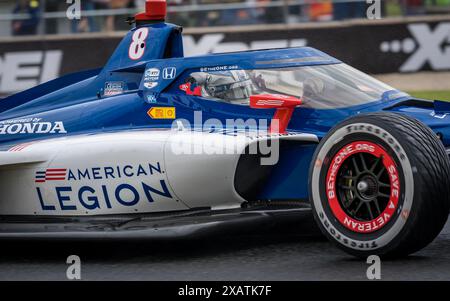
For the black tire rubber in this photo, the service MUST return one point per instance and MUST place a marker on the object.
(431, 174)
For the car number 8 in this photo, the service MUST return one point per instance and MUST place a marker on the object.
(137, 46)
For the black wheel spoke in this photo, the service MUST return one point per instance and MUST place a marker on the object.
(350, 202)
(384, 195)
(359, 206)
(363, 161)
(380, 173)
(377, 206)
(364, 182)
(355, 164)
(375, 164)
(369, 209)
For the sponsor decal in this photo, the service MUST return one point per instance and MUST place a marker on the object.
(151, 74)
(31, 126)
(427, 45)
(219, 68)
(270, 102)
(381, 134)
(26, 69)
(88, 188)
(169, 73)
(114, 88)
(98, 173)
(406, 195)
(369, 245)
(439, 116)
(150, 85)
(50, 174)
(162, 113)
(151, 98)
(338, 160)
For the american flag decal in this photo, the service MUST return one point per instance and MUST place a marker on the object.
(19, 147)
(51, 174)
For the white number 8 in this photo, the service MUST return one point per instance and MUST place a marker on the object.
(137, 46)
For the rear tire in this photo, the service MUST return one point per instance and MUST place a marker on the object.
(380, 185)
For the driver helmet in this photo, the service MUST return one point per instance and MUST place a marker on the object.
(231, 86)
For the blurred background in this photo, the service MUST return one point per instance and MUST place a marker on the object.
(408, 47)
(28, 17)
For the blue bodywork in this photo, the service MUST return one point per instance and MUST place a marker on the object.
(83, 103)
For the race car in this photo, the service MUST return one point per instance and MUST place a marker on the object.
(158, 145)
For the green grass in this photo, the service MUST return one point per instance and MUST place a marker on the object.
(393, 9)
(433, 95)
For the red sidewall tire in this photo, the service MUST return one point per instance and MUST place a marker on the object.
(412, 220)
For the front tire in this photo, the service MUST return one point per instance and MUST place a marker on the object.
(380, 185)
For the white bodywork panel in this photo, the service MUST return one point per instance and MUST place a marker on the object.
(139, 171)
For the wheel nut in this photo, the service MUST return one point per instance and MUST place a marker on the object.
(362, 186)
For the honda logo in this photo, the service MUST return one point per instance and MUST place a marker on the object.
(169, 73)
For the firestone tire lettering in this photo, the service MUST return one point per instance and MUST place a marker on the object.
(379, 132)
(423, 168)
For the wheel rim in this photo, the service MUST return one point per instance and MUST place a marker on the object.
(363, 186)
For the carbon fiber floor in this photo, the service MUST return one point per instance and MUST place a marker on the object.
(268, 256)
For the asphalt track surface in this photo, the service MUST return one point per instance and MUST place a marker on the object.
(278, 254)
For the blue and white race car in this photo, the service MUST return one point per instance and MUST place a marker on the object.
(157, 145)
